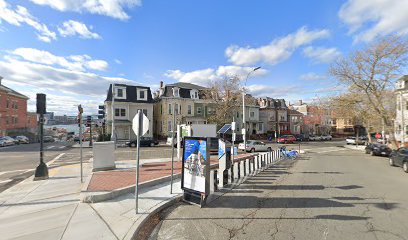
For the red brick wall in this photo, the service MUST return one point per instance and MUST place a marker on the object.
(13, 116)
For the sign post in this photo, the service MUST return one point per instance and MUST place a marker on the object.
(140, 127)
(80, 111)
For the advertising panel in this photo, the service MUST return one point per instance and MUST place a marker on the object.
(195, 164)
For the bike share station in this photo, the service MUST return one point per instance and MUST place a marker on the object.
(203, 181)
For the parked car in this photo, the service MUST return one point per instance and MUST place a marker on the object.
(144, 142)
(6, 141)
(286, 139)
(356, 141)
(48, 139)
(12, 140)
(376, 149)
(326, 137)
(255, 146)
(22, 139)
(314, 138)
(400, 158)
(300, 137)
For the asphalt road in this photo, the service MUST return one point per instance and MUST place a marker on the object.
(329, 193)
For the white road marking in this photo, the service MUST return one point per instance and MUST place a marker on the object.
(336, 150)
(55, 159)
(61, 147)
(50, 147)
(21, 170)
(6, 181)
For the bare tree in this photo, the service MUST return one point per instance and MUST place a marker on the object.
(226, 94)
(371, 72)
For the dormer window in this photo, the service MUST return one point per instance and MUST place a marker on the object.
(142, 94)
(194, 94)
(120, 92)
(176, 92)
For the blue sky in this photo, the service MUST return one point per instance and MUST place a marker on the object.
(72, 49)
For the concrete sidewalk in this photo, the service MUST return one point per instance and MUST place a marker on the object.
(51, 209)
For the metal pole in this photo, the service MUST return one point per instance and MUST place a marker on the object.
(383, 131)
(90, 133)
(172, 148)
(233, 141)
(403, 120)
(243, 117)
(139, 114)
(113, 135)
(80, 144)
(41, 138)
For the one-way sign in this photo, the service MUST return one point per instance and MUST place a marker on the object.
(144, 127)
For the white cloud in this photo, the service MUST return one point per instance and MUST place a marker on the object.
(20, 16)
(277, 51)
(65, 87)
(206, 76)
(260, 90)
(311, 76)
(110, 8)
(369, 19)
(72, 28)
(117, 61)
(321, 54)
(74, 62)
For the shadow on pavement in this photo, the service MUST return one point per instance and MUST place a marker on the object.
(348, 187)
(326, 217)
(39, 203)
(320, 172)
(280, 202)
(287, 187)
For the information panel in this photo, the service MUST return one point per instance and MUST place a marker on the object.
(195, 164)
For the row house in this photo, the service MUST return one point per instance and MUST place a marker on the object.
(401, 117)
(317, 121)
(273, 115)
(121, 106)
(186, 100)
(295, 121)
(252, 123)
(14, 118)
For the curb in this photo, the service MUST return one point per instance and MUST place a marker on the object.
(354, 147)
(140, 223)
(88, 197)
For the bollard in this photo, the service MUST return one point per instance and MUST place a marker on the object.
(247, 167)
(213, 181)
(235, 171)
(241, 169)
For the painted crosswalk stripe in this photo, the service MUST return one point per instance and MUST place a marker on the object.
(50, 147)
(61, 147)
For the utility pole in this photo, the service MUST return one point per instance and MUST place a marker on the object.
(172, 147)
(243, 105)
(402, 121)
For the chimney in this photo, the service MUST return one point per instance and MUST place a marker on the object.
(300, 102)
(161, 84)
(1, 78)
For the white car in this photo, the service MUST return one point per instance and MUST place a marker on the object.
(314, 138)
(326, 137)
(254, 146)
(354, 140)
(5, 141)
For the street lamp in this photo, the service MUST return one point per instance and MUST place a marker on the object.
(243, 105)
(113, 132)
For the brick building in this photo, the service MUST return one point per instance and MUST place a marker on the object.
(13, 113)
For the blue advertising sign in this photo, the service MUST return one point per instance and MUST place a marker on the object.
(194, 164)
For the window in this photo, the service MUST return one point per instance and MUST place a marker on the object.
(15, 120)
(282, 118)
(176, 92)
(144, 111)
(196, 94)
(198, 110)
(334, 121)
(252, 114)
(120, 112)
(406, 129)
(8, 103)
(16, 105)
(119, 93)
(169, 126)
(398, 105)
(189, 110)
(161, 109)
(406, 105)
(141, 94)
(237, 114)
(170, 109)
(177, 109)
(260, 127)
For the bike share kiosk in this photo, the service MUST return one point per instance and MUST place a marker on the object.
(224, 162)
(195, 174)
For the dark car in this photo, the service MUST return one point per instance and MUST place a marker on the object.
(48, 139)
(400, 158)
(376, 149)
(299, 137)
(144, 142)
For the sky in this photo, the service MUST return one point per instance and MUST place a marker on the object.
(72, 50)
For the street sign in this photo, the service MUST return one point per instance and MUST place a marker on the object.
(243, 131)
(233, 137)
(233, 126)
(144, 126)
(377, 136)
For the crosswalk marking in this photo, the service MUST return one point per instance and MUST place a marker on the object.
(61, 147)
(50, 147)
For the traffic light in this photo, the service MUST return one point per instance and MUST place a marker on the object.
(41, 103)
(101, 112)
(88, 121)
